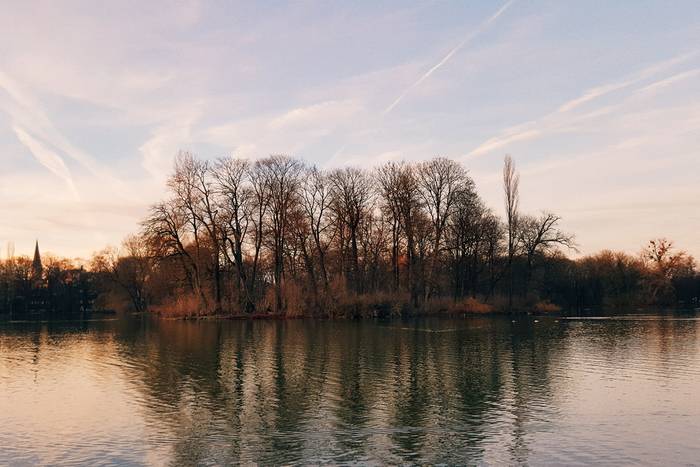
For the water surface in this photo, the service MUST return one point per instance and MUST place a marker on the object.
(487, 390)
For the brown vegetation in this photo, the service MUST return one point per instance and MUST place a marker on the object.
(545, 306)
(279, 237)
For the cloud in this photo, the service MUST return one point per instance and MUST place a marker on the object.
(289, 131)
(26, 112)
(520, 133)
(481, 28)
(602, 90)
(592, 94)
(164, 143)
(663, 83)
(48, 159)
(205, 77)
(321, 114)
(564, 119)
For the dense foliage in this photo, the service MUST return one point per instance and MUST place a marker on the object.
(59, 287)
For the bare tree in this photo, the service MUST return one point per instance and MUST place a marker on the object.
(187, 199)
(373, 245)
(464, 237)
(665, 265)
(511, 182)
(351, 193)
(277, 228)
(441, 181)
(404, 193)
(208, 213)
(316, 201)
(540, 234)
(301, 250)
(493, 233)
(282, 177)
(129, 268)
(257, 213)
(236, 198)
(165, 231)
(388, 177)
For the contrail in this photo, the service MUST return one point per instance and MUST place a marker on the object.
(27, 112)
(482, 27)
(552, 121)
(49, 159)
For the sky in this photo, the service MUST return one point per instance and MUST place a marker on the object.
(597, 102)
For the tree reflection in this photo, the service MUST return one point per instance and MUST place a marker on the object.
(287, 392)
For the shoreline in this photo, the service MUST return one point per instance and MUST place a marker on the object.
(491, 314)
(571, 316)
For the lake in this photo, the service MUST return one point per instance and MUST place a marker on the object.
(478, 391)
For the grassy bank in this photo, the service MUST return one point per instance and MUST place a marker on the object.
(367, 306)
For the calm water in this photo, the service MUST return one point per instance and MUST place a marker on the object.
(440, 391)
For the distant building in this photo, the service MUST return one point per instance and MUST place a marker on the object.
(36, 290)
(38, 297)
(37, 267)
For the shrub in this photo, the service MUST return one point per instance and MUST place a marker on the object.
(294, 302)
(473, 305)
(381, 304)
(183, 306)
(546, 306)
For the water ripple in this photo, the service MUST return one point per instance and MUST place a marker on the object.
(475, 391)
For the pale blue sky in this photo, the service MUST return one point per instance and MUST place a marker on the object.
(598, 102)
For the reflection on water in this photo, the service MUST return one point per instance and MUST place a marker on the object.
(453, 391)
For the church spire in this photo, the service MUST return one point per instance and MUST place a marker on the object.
(37, 267)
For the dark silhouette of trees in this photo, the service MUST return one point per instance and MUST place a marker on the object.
(351, 192)
(282, 177)
(257, 212)
(475, 242)
(511, 183)
(539, 235)
(237, 205)
(665, 266)
(389, 182)
(56, 287)
(441, 183)
(129, 270)
(276, 235)
(316, 197)
(402, 191)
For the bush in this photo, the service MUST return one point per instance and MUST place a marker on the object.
(449, 306)
(546, 306)
(294, 302)
(472, 305)
(182, 306)
(374, 305)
